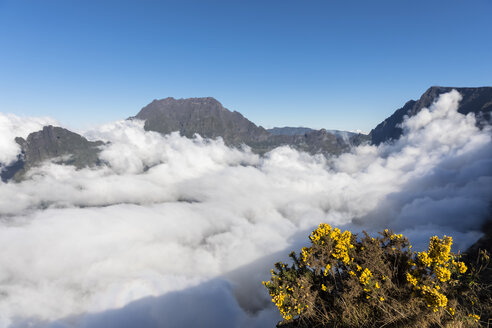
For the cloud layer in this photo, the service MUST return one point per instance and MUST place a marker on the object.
(180, 220)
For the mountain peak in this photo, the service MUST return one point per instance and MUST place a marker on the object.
(475, 100)
(52, 142)
(205, 116)
(187, 101)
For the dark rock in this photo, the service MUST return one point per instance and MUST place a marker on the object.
(289, 131)
(485, 242)
(476, 100)
(205, 116)
(7, 173)
(53, 143)
(208, 118)
(315, 142)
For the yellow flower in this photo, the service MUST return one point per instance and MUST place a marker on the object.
(318, 234)
(323, 287)
(411, 279)
(439, 249)
(424, 258)
(433, 298)
(474, 317)
(442, 273)
(394, 236)
(305, 253)
(381, 298)
(460, 266)
(365, 276)
(327, 270)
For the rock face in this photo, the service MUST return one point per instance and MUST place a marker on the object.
(207, 117)
(476, 100)
(317, 141)
(289, 131)
(56, 144)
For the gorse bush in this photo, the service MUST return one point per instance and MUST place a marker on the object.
(345, 281)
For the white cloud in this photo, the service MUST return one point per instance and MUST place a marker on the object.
(174, 218)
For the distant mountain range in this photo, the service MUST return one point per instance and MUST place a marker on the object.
(289, 131)
(294, 131)
(207, 117)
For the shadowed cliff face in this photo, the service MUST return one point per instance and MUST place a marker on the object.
(475, 100)
(53, 143)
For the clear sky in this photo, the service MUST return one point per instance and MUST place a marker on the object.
(324, 64)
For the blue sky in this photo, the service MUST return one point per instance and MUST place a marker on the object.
(332, 64)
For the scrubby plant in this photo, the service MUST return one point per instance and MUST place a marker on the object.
(341, 280)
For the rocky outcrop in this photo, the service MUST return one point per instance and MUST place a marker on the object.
(289, 131)
(476, 100)
(56, 144)
(208, 118)
(317, 141)
(205, 116)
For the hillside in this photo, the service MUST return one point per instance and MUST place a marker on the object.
(475, 100)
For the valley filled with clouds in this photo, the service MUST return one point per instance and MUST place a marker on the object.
(171, 231)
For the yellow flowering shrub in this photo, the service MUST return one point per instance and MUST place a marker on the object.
(341, 280)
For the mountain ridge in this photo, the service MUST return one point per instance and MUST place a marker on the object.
(207, 117)
(52, 143)
(475, 99)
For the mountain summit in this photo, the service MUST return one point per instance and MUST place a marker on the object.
(205, 116)
(208, 118)
(56, 144)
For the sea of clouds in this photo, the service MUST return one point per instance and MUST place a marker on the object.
(177, 232)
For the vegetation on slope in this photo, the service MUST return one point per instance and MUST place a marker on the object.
(345, 281)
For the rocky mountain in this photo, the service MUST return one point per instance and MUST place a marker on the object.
(316, 141)
(207, 117)
(476, 100)
(56, 144)
(289, 131)
(294, 131)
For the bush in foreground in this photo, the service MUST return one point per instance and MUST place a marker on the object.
(345, 281)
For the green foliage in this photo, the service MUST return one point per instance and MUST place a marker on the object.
(345, 281)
